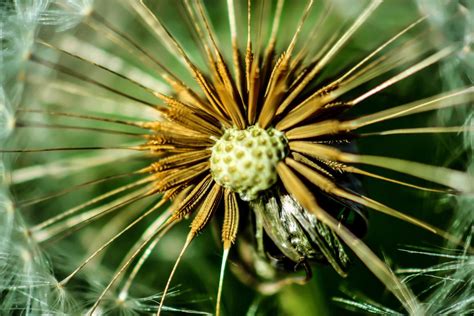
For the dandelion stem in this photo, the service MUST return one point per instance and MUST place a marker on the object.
(406, 73)
(225, 255)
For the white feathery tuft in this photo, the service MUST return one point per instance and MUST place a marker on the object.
(66, 14)
(27, 284)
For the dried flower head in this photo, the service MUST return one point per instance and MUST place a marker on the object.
(250, 127)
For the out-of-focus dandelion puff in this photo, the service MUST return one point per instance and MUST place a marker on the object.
(451, 284)
(452, 281)
(457, 71)
(244, 113)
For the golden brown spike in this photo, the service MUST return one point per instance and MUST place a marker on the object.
(253, 85)
(330, 187)
(207, 209)
(301, 113)
(200, 220)
(221, 90)
(178, 139)
(455, 179)
(180, 160)
(330, 53)
(276, 89)
(277, 85)
(170, 128)
(194, 197)
(452, 98)
(204, 114)
(406, 73)
(236, 55)
(333, 126)
(347, 74)
(302, 158)
(296, 187)
(314, 130)
(199, 77)
(422, 130)
(294, 39)
(231, 219)
(248, 52)
(181, 176)
(316, 150)
(376, 176)
(225, 85)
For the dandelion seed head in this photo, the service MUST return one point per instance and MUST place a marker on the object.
(245, 160)
(263, 133)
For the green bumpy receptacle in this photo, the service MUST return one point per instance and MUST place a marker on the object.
(245, 160)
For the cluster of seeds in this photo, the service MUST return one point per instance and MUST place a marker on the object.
(245, 160)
